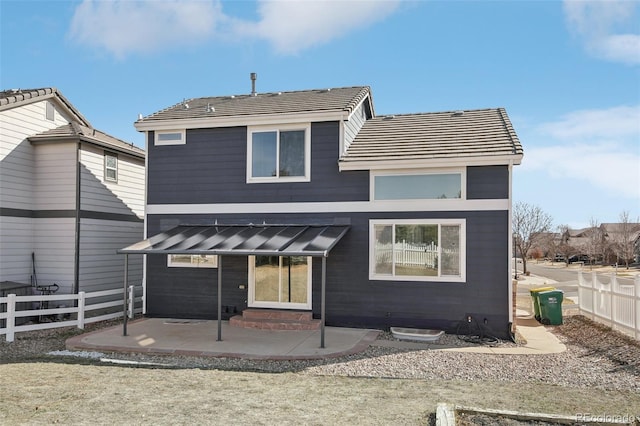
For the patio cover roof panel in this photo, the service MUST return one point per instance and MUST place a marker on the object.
(270, 240)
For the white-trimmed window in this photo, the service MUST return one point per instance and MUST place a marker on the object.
(417, 250)
(279, 154)
(110, 167)
(192, 261)
(173, 137)
(282, 282)
(440, 185)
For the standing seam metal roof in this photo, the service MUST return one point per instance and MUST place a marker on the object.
(269, 240)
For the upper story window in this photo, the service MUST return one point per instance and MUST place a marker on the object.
(174, 137)
(110, 167)
(417, 250)
(279, 154)
(418, 186)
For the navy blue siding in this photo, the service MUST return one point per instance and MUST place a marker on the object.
(352, 299)
(487, 182)
(211, 168)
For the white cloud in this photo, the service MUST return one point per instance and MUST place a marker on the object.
(124, 27)
(291, 26)
(608, 28)
(600, 147)
(615, 122)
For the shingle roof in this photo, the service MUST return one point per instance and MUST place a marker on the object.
(343, 99)
(440, 135)
(88, 134)
(16, 97)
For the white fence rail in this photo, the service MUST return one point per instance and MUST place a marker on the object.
(612, 303)
(9, 313)
(405, 253)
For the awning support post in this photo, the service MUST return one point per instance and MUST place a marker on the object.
(125, 308)
(219, 299)
(322, 302)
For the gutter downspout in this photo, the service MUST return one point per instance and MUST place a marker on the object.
(76, 266)
(511, 253)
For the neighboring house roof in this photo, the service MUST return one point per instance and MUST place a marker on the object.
(385, 141)
(87, 134)
(14, 98)
(239, 109)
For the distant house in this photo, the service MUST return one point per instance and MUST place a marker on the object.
(70, 195)
(308, 201)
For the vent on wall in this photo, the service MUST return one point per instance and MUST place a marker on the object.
(50, 113)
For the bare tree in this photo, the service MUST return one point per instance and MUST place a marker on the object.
(564, 247)
(529, 222)
(625, 238)
(595, 239)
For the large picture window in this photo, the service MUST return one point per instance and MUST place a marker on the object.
(418, 186)
(278, 155)
(417, 250)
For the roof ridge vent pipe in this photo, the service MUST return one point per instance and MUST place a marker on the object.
(254, 77)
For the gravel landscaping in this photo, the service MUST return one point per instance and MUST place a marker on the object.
(599, 373)
(596, 357)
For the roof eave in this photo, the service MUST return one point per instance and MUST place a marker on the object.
(487, 160)
(53, 94)
(240, 120)
(36, 140)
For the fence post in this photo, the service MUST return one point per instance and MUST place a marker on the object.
(612, 283)
(81, 305)
(593, 296)
(11, 317)
(636, 306)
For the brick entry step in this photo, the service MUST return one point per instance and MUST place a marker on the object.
(272, 319)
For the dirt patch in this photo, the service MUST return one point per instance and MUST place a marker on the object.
(87, 394)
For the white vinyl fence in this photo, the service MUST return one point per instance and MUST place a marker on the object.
(56, 316)
(612, 303)
(408, 253)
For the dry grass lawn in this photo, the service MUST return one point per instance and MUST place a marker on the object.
(46, 393)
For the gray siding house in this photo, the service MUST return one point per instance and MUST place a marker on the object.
(70, 196)
(315, 204)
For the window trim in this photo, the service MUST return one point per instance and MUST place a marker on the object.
(462, 171)
(172, 264)
(182, 141)
(440, 222)
(306, 127)
(106, 167)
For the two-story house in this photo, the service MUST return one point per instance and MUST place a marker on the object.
(308, 201)
(70, 196)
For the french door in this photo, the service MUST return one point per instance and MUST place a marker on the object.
(282, 282)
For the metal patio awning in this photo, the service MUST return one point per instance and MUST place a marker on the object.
(243, 240)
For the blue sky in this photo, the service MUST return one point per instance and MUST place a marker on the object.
(568, 73)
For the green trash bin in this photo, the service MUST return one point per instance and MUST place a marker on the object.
(551, 307)
(534, 299)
